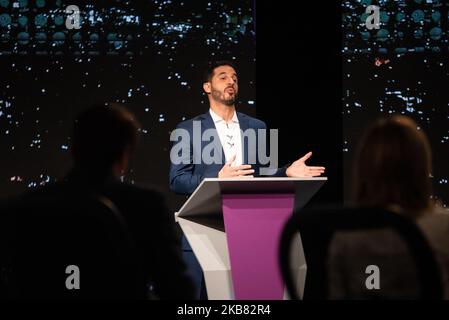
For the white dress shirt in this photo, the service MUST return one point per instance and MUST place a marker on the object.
(230, 138)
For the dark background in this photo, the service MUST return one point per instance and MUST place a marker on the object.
(299, 85)
(148, 55)
(153, 64)
(400, 68)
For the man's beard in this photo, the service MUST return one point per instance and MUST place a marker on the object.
(220, 97)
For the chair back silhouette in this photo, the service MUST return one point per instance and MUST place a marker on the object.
(68, 247)
(317, 227)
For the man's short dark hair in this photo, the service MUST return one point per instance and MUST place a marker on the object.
(101, 135)
(211, 66)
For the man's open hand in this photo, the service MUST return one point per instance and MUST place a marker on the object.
(230, 172)
(299, 169)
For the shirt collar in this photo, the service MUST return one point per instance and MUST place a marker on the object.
(216, 118)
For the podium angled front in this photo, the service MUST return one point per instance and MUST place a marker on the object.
(234, 228)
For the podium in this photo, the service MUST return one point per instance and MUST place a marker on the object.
(234, 226)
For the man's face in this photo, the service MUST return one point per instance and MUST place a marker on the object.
(223, 86)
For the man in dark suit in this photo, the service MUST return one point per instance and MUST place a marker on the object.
(223, 143)
(232, 152)
(103, 142)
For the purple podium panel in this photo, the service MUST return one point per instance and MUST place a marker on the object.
(253, 224)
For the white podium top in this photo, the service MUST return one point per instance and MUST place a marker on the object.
(206, 199)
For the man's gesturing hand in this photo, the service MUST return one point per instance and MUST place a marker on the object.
(299, 169)
(229, 172)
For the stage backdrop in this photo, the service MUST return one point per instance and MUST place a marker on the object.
(148, 55)
(400, 68)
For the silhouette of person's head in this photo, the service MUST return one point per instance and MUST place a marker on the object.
(104, 138)
(393, 166)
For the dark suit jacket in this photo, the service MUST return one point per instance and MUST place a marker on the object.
(184, 178)
(151, 227)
